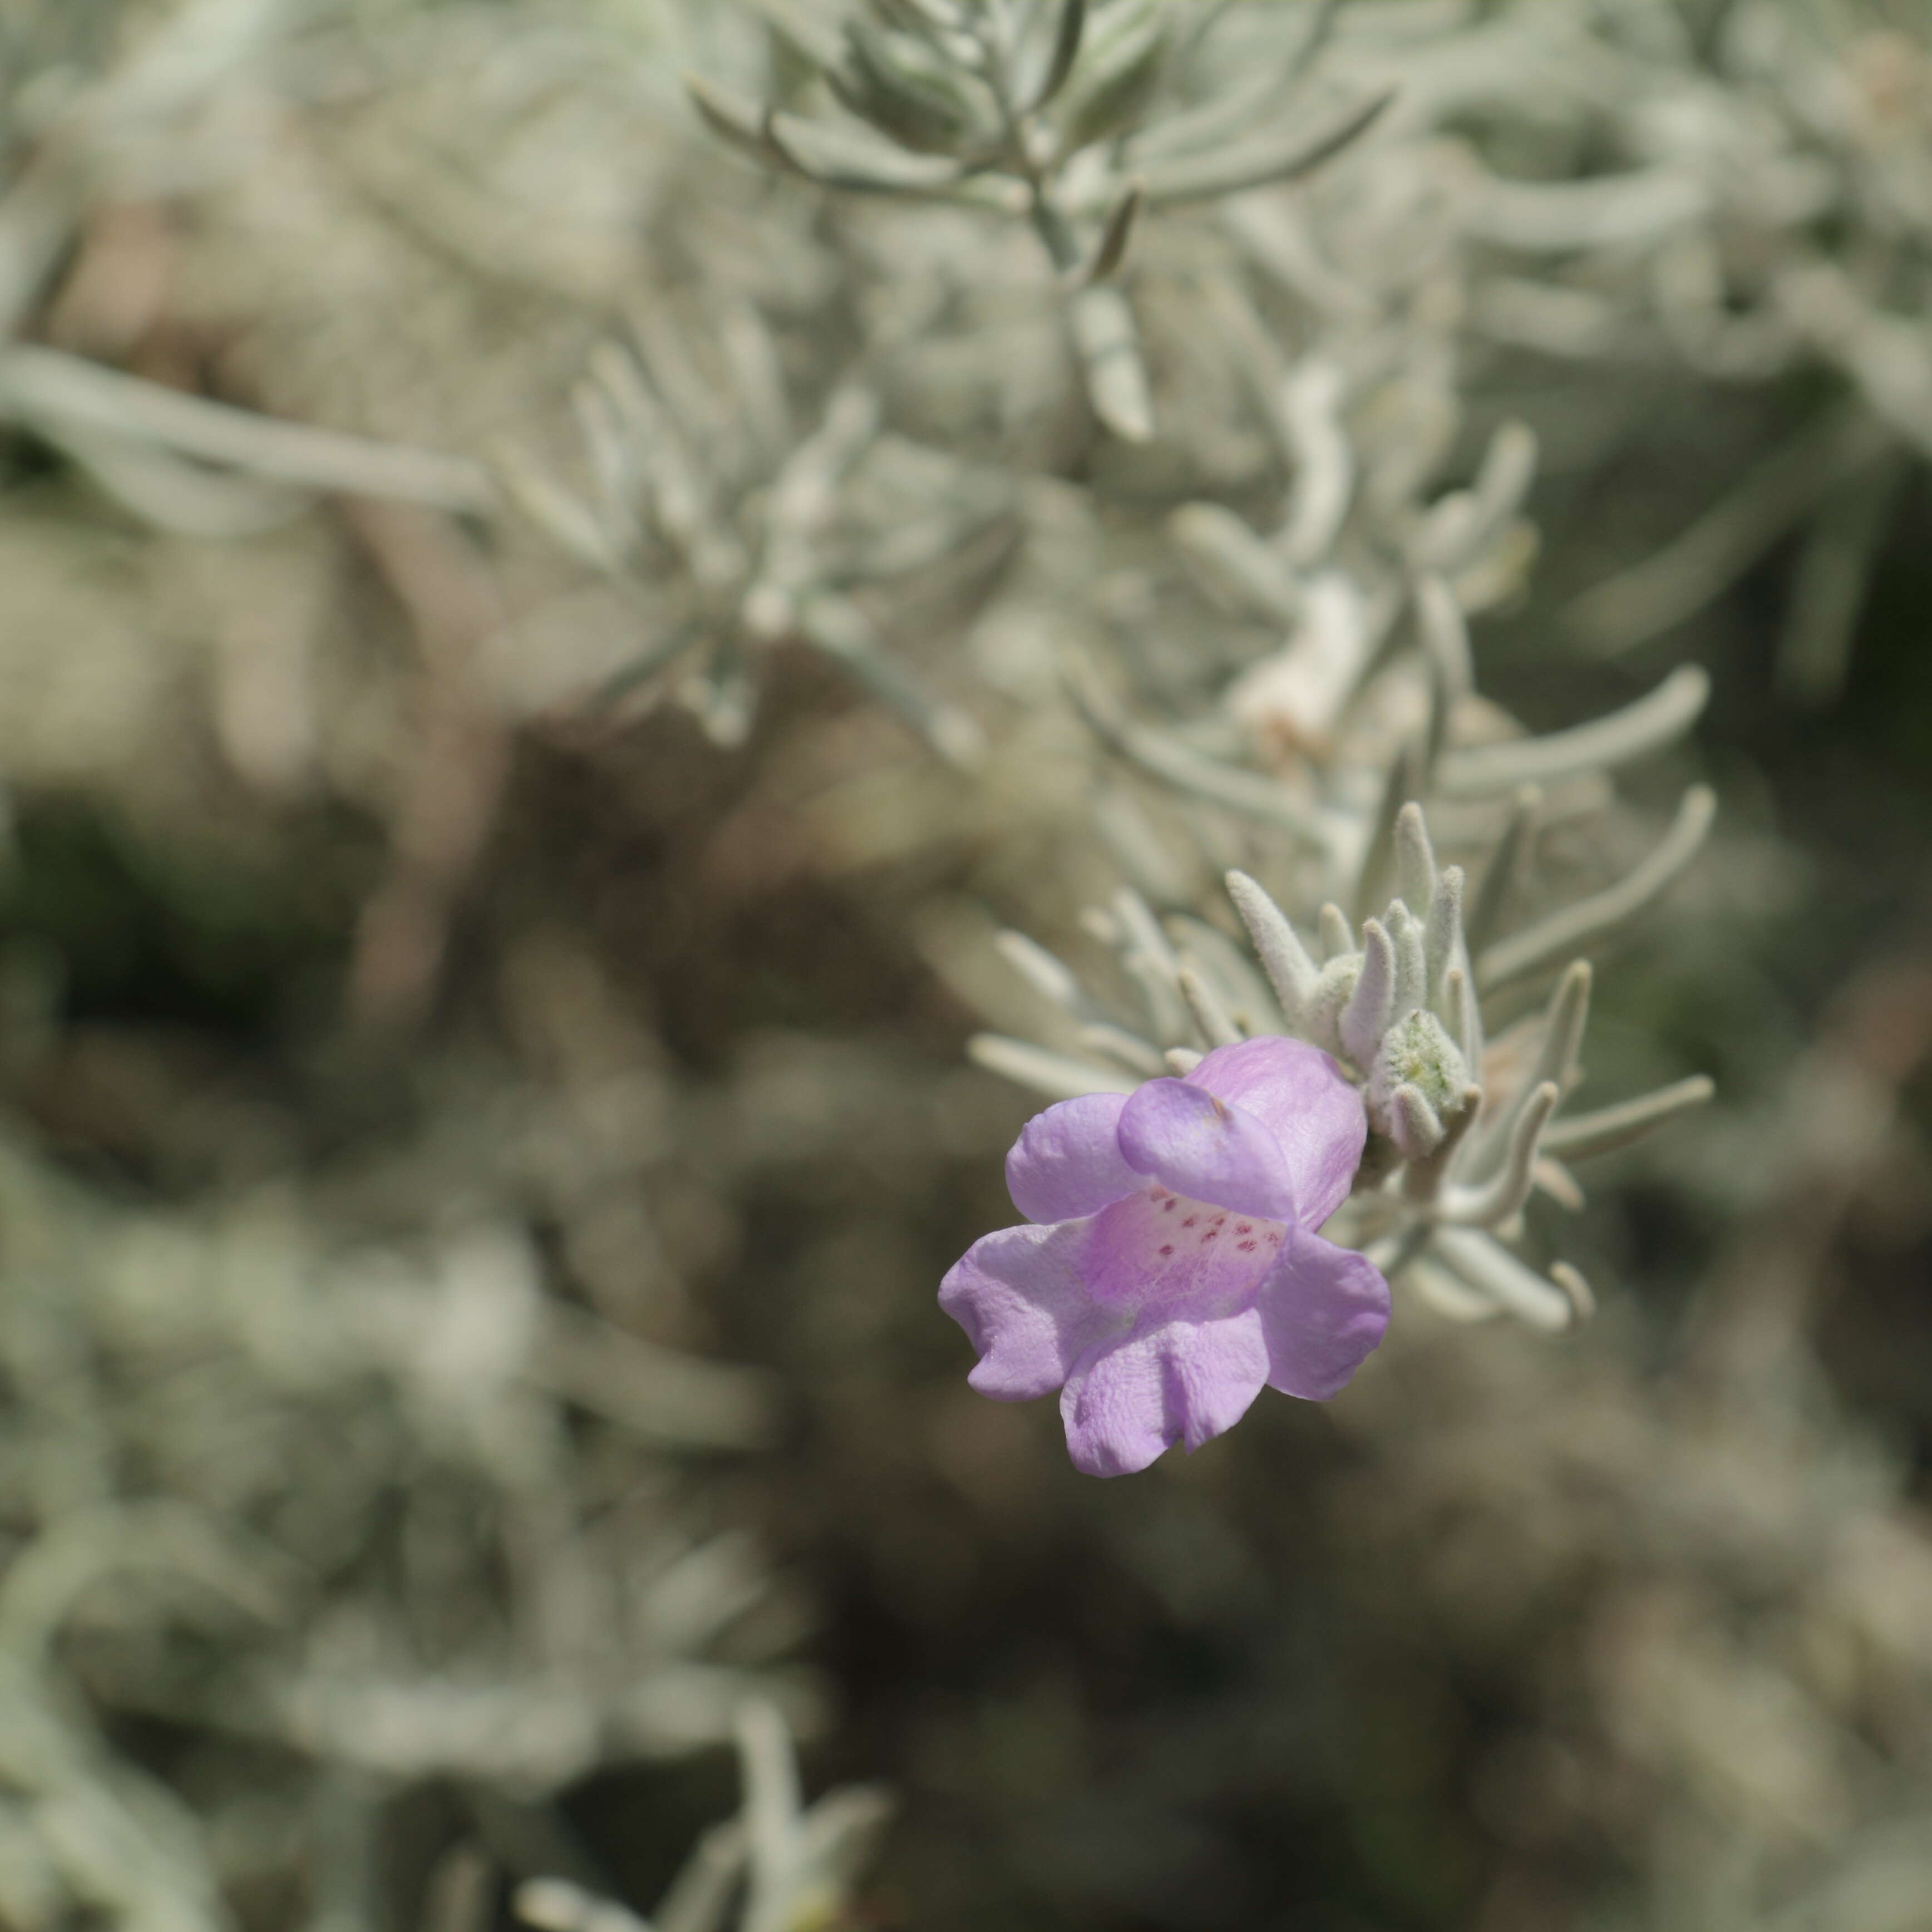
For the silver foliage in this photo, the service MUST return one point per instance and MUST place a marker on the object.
(1132, 399)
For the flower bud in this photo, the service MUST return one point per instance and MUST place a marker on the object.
(1417, 1051)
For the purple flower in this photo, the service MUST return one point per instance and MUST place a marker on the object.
(1170, 1266)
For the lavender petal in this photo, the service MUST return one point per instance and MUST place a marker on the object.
(1019, 1295)
(1306, 1102)
(1067, 1161)
(1131, 1397)
(1202, 1147)
(1323, 1310)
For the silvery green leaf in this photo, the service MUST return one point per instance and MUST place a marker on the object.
(1116, 235)
(1058, 1075)
(1179, 765)
(837, 1838)
(1404, 931)
(1484, 1265)
(930, 18)
(1283, 957)
(1048, 975)
(1500, 1197)
(843, 632)
(1558, 1058)
(1259, 162)
(1320, 28)
(1569, 1279)
(1140, 932)
(771, 1813)
(1108, 347)
(1566, 323)
(88, 1544)
(1241, 573)
(702, 411)
(1413, 1124)
(1317, 446)
(1337, 936)
(1442, 935)
(1558, 1050)
(905, 91)
(732, 118)
(1320, 1019)
(757, 377)
(1149, 960)
(1832, 581)
(657, 1393)
(724, 703)
(1422, 1179)
(612, 445)
(854, 163)
(1704, 560)
(1118, 74)
(1571, 216)
(1577, 926)
(556, 1905)
(48, 387)
(804, 491)
(1507, 864)
(1070, 27)
(1229, 970)
(1459, 524)
(1414, 860)
(1445, 645)
(1448, 1293)
(658, 656)
(701, 1893)
(1128, 1049)
(805, 28)
(1580, 1136)
(1149, 858)
(1367, 1013)
(1646, 726)
(1555, 1180)
(1225, 113)
(1400, 786)
(1216, 1024)
(186, 498)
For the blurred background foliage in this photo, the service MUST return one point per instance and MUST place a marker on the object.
(535, 659)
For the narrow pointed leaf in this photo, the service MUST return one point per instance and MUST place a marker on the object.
(1609, 1128)
(1442, 934)
(1237, 569)
(1259, 163)
(1209, 1015)
(1283, 957)
(1337, 936)
(1507, 865)
(1109, 346)
(1058, 1075)
(1188, 770)
(1118, 235)
(1652, 722)
(1504, 1195)
(1415, 1128)
(1366, 1016)
(1492, 1270)
(1067, 38)
(1414, 860)
(1577, 926)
